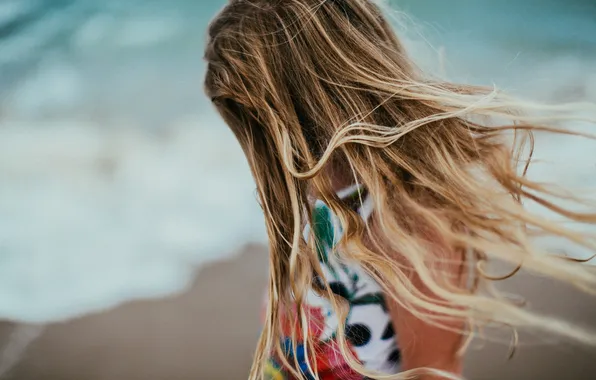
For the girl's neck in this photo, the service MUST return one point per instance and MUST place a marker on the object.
(339, 180)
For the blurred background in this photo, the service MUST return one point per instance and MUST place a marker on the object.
(131, 243)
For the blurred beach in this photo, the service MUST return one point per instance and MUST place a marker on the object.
(125, 202)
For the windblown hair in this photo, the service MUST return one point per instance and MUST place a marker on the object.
(314, 89)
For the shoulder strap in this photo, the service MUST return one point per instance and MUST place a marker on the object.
(357, 197)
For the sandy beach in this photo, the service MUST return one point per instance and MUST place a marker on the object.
(209, 332)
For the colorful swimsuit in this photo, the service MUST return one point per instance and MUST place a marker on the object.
(369, 329)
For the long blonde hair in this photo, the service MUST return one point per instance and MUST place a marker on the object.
(313, 87)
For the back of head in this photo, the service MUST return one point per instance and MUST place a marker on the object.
(313, 64)
(318, 88)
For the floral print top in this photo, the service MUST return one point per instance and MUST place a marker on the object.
(369, 329)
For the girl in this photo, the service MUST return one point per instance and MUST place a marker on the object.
(385, 192)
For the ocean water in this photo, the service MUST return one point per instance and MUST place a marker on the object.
(118, 180)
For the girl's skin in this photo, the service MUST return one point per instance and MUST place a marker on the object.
(422, 344)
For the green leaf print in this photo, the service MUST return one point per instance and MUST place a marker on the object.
(370, 299)
(322, 228)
